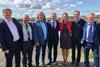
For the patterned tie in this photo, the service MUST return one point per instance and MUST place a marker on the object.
(90, 35)
(28, 33)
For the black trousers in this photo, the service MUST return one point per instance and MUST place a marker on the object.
(52, 45)
(13, 51)
(38, 49)
(76, 45)
(27, 50)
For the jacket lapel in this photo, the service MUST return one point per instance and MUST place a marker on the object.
(6, 27)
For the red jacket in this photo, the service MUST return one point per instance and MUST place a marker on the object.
(69, 26)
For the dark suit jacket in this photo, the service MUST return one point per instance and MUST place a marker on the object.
(94, 31)
(34, 33)
(6, 35)
(97, 35)
(77, 29)
(40, 34)
(53, 36)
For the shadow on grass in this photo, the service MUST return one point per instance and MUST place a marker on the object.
(58, 64)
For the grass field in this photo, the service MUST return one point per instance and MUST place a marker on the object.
(2, 59)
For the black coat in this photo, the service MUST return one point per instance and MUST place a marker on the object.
(53, 35)
(6, 36)
(97, 35)
(77, 29)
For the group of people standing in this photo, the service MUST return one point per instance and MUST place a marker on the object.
(17, 37)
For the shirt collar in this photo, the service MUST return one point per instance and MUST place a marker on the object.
(53, 21)
(7, 20)
(77, 19)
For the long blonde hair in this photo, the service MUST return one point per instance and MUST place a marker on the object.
(62, 20)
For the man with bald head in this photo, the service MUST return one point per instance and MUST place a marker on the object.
(89, 40)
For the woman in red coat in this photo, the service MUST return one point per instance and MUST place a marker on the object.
(65, 36)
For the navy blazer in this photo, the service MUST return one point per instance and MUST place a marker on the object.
(85, 30)
(40, 34)
(6, 37)
(53, 36)
(97, 35)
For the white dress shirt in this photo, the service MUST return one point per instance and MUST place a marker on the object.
(53, 23)
(13, 29)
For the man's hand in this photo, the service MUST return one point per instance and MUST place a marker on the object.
(6, 51)
(37, 44)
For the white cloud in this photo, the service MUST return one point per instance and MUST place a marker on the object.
(1, 0)
(72, 5)
(47, 6)
(65, 5)
(80, 2)
(97, 13)
(18, 1)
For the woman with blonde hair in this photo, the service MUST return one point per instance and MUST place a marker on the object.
(65, 36)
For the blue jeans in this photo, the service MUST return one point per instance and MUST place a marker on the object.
(95, 49)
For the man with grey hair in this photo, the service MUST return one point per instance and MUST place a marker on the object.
(29, 40)
(89, 40)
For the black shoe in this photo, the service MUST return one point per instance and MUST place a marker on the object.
(37, 65)
(72, 63)
(49, 63)
(30, 65)
(77, 64)
(43, 63)
(54, 62)
(24, 65)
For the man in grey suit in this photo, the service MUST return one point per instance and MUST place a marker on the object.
(89, 41)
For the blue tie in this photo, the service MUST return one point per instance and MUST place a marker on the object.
(90, 35)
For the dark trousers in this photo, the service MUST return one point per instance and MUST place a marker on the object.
(13, 51)
(76, 45)
(54, 47)
(27, 50)
(38, 48)
(95, 49)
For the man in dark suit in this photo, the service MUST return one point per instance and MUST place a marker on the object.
(11, 38)
(53, 37)
(97, 39)
(29, 40)
(77, 31)
(89, 40)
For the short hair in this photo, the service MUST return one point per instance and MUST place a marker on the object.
(91, 13)
(76, 11)
(25, 15)
(7, 9)
(54, 13)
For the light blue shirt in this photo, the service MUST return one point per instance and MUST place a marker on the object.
(44, 29)
(87, 34)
